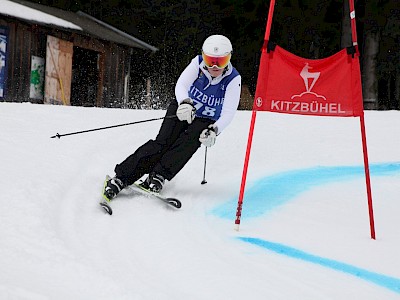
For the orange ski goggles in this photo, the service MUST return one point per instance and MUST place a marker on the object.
(216, 61)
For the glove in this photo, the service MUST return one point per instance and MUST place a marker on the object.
(186, 111)
(208, 136)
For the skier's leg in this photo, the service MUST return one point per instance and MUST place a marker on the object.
(143, 160)
(180, 152)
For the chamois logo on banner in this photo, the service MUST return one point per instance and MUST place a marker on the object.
(309, 78)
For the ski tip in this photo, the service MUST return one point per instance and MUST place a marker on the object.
(174, 202)
(106, 208)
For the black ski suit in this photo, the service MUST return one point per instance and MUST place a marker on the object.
(173, 147)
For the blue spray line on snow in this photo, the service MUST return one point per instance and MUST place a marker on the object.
(276, 190)
(272, 191)
(388, 282)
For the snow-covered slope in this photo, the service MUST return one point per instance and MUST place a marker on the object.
(304, 233)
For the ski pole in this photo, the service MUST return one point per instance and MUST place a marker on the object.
(205, 163)
(108, 127)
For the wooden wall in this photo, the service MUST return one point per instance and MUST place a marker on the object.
(25, 40)
(18, 46)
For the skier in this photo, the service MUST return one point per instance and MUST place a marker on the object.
(207, 97)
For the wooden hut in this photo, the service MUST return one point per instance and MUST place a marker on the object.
(48, 55)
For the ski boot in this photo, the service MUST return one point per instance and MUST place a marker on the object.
(112, 187)
(154, 182)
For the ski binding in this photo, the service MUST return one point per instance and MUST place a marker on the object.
(140, 187)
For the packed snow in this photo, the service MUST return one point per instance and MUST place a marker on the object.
(304, 233)
(20, 11)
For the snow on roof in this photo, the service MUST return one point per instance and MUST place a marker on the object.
(20, 11)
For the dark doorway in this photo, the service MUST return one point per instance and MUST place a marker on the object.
(85, 77)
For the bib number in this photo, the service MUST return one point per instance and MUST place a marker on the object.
(207, 110)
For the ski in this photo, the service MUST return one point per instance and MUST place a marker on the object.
(139, 187)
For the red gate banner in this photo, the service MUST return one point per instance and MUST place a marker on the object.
(324, 87)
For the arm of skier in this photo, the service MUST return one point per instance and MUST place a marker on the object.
(186, 79)
(186, 110)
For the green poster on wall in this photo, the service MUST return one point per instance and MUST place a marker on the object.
(37, 78)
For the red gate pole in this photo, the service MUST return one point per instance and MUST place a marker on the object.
(367, 178)
(252, 124)
(245, 167)
(363, 133)
(353, 22)
(269, 20)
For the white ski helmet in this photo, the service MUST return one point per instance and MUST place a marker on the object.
(217, 45)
